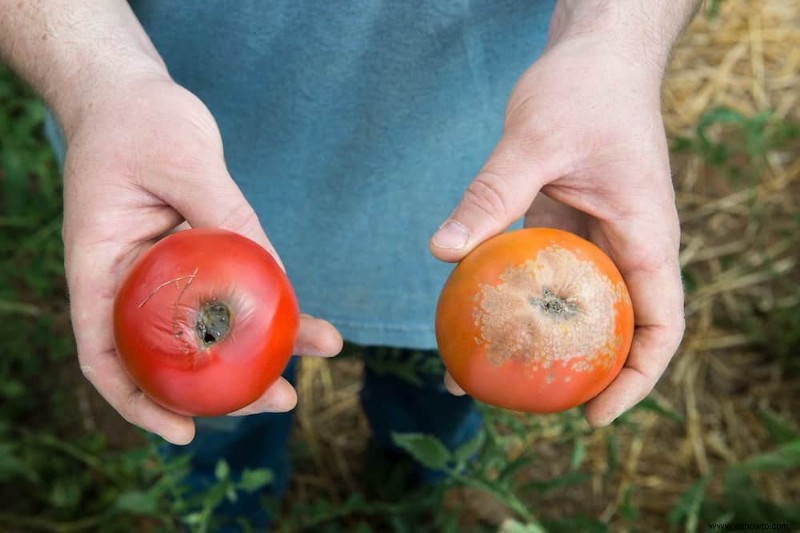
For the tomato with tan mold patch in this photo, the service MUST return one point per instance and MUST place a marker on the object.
(536, 320)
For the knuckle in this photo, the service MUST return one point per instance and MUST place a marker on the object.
(241, 219)
(650, 255)
(679, 330)
(131, 406)
(531, 136)
(487, 195)
(184, 162)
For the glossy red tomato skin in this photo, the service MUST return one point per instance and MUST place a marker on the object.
(155, 321)
(535, 376)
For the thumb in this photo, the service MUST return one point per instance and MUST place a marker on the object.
(499, 195)
(211, 199)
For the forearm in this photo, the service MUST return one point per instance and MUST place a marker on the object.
(71, 51)
(646, 29)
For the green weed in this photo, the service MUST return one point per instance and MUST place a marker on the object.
(736, 143)
(743, 502)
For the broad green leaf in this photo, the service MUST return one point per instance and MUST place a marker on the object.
(253, 480)
(138, 502)
(470, 449)
(424, 448)
(782, 458)
(780, 430)
(193, 519)
(743, 497)
(222, 470)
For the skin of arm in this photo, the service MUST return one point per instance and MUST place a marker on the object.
(584, 149)
(72, 52)
(144, 157)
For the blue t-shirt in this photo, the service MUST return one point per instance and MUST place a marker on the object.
(353, 128)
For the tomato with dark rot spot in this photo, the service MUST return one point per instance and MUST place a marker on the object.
(205, 321)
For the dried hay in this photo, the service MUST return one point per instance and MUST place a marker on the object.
(739, 246)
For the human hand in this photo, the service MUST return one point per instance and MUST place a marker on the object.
(144, 158)
(584, 149)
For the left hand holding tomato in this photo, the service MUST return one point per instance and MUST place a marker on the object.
(124, 189)
(584, 149)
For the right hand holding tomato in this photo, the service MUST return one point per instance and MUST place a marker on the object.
(584, 150)
(145, 156)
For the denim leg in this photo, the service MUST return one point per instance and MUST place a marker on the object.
(252, 442)
(404, 392)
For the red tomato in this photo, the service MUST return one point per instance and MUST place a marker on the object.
(205, 322)
(535, 320)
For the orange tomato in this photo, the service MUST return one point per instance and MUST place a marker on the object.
(536, 320)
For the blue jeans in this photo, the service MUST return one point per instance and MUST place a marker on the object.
(413, 401)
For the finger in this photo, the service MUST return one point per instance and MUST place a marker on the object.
(91, 313)
(500, 194)
(548, 213)
(104, 372)
(279, 398)
(317, 337)
(652, 349)
(208, 197)
(653, 279)
(451, 385)
(180, 227)
(314, 337)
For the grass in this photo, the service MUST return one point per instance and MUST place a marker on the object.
(718, 442)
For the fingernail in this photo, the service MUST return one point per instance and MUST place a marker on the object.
(285, 401)
(452, 234)
(451, 386)
(615, 415)
(317, 352)
(605, 423)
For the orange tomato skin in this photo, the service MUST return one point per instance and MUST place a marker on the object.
(536, 320)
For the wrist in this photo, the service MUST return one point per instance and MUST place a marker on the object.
(73, 53)
(641, 31)
(89, 88)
